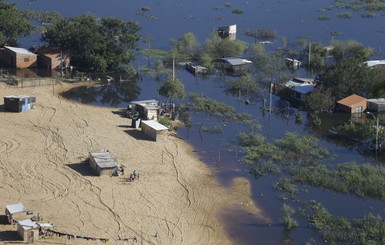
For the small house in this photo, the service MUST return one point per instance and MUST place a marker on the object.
(300, 92)
(18, 103)
(375, 63)
(28, 230)
(228, 32)
(154, 130)
(376, 105)
(293, 63)
(18, 57)
(15, 212)
(103, 163)
(352, 104)
(233, 65)
(144, 109)
(196, 69)
(52, 58)
(295, 90)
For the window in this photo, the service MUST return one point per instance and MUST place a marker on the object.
(26, 59)
(359, 109)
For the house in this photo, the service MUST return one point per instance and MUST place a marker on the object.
(29, 230)
(295, 90)
(18, 57)
(18, 103)
(228, 32)
(233, 65)
(15, 212)
(103, 163)
(352, 104)
(196, 69)
(299, 92)
(52, 58)
(293, 63)
(376, 105)
(375, 63)
(154, 130)
(143, 109)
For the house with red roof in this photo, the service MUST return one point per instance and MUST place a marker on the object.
(352, 104)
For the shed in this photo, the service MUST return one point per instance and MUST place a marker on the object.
(154, 130)
(293, 63)
(352, 104)
(375, 63)
(196, 69)
(228, 32)
(52, 58)
(28, 230)
(376, 105)
(143, 109)
(18, 103)
(233, 65)
(18, 57)
(300, 92)
(102, 162)
(15, 212)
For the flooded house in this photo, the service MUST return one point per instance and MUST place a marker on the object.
(352, 104)
(19, 103)
(295, 90)
(52, 58)
(154, 130)
(18, 57)
(228, 32)
(233, 65)
(102, 162)
(196, 69)
(293, 63)
(376, 105)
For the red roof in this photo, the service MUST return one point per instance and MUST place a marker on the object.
(351, 100)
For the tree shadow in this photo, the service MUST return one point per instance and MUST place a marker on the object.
(121, 112)
(82, 168)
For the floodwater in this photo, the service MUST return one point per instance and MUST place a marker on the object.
(170, 19)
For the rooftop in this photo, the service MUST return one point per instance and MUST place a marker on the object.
(104, 159)
(351, 100)
(16, 208)
(20, 50)
(155, 125)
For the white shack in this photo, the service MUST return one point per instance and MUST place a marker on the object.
(102, 162)
(29, 230)
(15, 212)
(154, 130)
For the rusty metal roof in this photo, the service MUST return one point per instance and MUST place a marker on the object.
(351, 100)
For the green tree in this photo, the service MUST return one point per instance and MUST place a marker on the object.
(218, 47)
(172, 88)
(12, 24)
(347, 77)
(185, 47)
(316, 55)
(319, 100)
(95, 43)
(350, 50)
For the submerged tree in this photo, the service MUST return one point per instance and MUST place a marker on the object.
(172, 88)
(95, 43)
(12, 24)
(186, 47)
(319, 100)
(217, 47)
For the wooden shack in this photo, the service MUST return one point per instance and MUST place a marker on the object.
(15, 212)
(352, 104)
(154, 130)
(228, 32)
(19, 103)
(103, 163)
(143, 109)
(18, 57)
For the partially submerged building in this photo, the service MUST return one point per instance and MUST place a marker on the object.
(376, 105)
(102, 162)
(228, 32)
(352, 104)
(18, 57)
(18, 103)
(233, 65)
(196, 69)
(15, 212)
(154, 130)
(295, 90)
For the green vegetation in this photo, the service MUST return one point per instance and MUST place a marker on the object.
(45, 17)
(166, 122)
(217, 47)
(96, 44)
(214, 108)
(345, 15)
(320, 100)
(172, 88)
(370, 229)
(237, 11)
(323, 17)
(12, 24)
(287, 219)
(185, 48)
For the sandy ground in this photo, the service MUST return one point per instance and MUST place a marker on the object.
(42, 154)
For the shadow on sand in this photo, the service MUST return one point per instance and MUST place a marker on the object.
(82, 168)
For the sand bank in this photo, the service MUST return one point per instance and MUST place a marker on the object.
(42, 154)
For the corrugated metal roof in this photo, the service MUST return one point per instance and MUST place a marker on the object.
(234, 61)
(20, 50)
(351, 100)
(303, 88)
(16, 96)
(377, 101)
(104, 159)
(16, 208)
(28, 224)
(155, 125)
